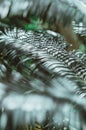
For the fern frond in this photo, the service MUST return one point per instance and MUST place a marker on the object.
(80, 55)
(52, 11)
(80, 30)
(41, 80)
(34, 42)
(46, 81)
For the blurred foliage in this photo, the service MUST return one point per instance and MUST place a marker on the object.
(35, 24)
(27, 67)
(82, 48)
